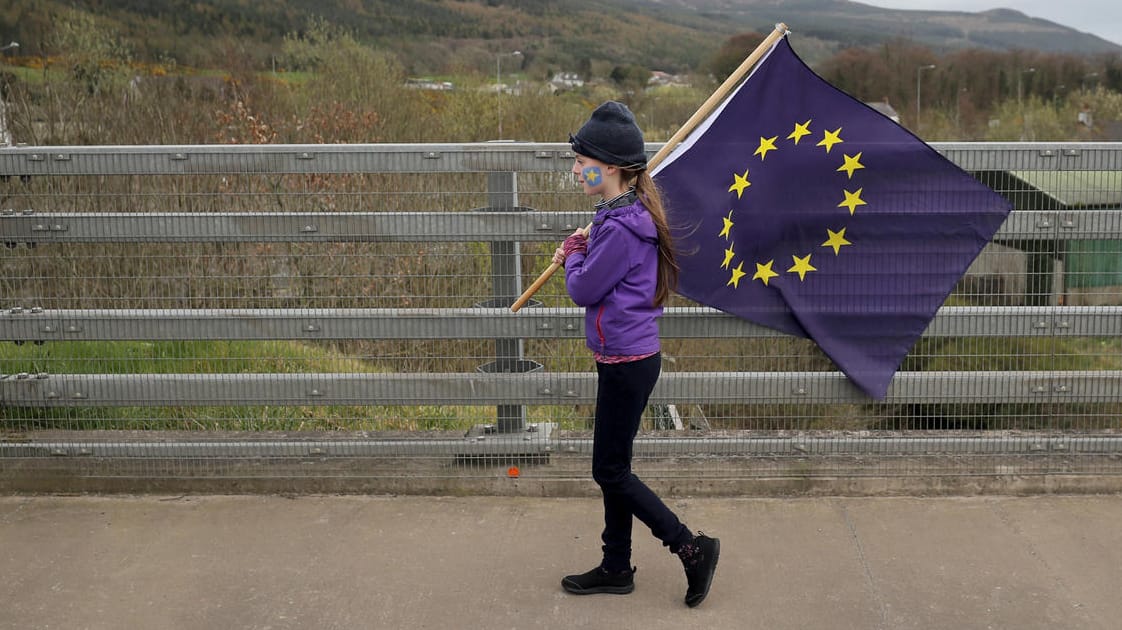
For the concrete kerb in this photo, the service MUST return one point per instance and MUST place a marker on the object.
(559, 477)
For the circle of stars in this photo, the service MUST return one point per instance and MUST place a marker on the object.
(835, 240)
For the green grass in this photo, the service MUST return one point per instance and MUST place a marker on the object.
(176, 357)
(208, 357)
(30, 76)
(1016, 354)
(296, 78)
(292, 357)
(1019, 354)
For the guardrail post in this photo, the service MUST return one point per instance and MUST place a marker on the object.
(506, 283)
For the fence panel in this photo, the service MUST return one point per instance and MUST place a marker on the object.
(339, 312)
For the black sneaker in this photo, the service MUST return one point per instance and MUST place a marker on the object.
(699, 557)
(600, 581)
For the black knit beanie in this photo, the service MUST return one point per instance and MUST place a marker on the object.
(612, 137)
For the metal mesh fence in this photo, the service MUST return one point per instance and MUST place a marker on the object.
(278, 311)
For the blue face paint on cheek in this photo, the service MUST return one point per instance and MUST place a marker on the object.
(592, 175)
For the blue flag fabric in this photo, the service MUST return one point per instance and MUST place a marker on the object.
(800, 208)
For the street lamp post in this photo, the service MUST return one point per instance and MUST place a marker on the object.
(1020, 102)
(5, 135)
(958, 109)
(919, 83)
(1022, 73)
(499, 83)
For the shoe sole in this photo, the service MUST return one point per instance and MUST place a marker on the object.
(709, 578)
(611, 590)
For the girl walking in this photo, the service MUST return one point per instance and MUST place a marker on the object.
(622, 272)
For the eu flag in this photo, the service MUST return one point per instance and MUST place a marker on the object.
(798, 207)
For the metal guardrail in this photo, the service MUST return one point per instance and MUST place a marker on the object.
(30, 226)
(555, 388)
(37, 324)
(459, 158)
(503, 224)
(759, 446)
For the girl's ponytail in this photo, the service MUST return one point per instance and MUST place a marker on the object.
(668, 269)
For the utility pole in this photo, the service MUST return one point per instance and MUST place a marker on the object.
(5, 135)
(499, 83)
(919, 77)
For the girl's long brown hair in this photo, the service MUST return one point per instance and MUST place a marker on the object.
(668, 269)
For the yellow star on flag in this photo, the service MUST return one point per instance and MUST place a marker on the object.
(852, 163)
(728, 226)
(836, 240)
(852, 200)
(766, 144)
(802, 266)
(740, 182)
(737, 274)
(830, 138)
(728, 257)
(800, 131)
(764, 272)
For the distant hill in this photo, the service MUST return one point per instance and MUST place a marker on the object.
(434, 36)
(855, 24)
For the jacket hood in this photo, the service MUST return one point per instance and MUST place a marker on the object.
(634, 217)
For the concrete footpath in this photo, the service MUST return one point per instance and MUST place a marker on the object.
(268, 562)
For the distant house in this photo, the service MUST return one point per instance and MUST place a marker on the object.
(660, 79)
(1085, 117)
(887, 109)
(565, 81)
(428, 84)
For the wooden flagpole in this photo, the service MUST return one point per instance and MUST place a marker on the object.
(700, 115)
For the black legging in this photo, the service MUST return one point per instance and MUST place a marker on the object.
(623, 390)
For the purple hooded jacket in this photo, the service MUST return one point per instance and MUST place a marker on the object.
(615, 281)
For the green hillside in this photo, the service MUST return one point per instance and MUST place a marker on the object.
(440, 36)
(430, 36)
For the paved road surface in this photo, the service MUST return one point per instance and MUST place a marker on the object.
(267, 562)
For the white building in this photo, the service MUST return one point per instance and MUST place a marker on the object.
(565, 81)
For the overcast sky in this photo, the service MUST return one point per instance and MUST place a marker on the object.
(1098, 17)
